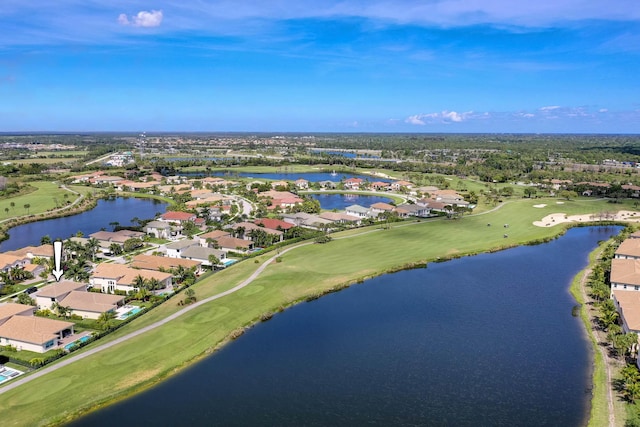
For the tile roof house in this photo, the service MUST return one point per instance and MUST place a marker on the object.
(628, 305)
(625, 274)
(24, 331)
(274, 224)
(179, 217)
(46, 296)
(162, 263)
(628, 249)
(112, 277)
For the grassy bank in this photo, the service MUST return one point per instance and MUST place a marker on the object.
(305, 272)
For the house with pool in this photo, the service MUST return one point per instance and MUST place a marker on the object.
(117, 277)
(22, 330)
(75, 297)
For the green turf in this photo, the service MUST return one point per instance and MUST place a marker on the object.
(304, 271)
(40, 200)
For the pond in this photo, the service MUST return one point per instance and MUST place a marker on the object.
(107, 211)
(483, 340)
(341, 201)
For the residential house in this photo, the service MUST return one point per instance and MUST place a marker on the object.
(625, 274)
(359, 211)
(248, 227)
(353, 183)
(628, 249)
(302, 184)
(30, 252)
(162, 230)
(174, 249)
(228, 244)
(120, 236)
(274, 224)
(212, 235)
(279, 184)
(52, 294)
(22, 330)
(74, 296)
(177, 217)
(7, 262)
(303, 219)
(341, 218)
(117, 277)
(380, 207)
(407, 210)
(201, 255)
(163, 263)
(628, 306)
(401, 185)
(380, 186)
(328, 184)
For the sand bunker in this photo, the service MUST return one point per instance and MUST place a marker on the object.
(559, 218)
(539, 206)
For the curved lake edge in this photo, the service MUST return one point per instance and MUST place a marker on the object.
(270, 312)
(88, 203)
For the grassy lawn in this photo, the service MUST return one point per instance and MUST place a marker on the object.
(47, 161)
(40, 200)
(304, 271)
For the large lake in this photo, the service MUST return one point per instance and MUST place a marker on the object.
(477, 341)
(342, 201)
(289, 176)
(120, 210)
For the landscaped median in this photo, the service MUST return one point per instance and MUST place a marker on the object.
(304, 272)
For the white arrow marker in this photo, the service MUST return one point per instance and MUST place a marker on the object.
(57, 257)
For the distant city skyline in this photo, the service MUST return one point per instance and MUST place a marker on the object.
(441, 66)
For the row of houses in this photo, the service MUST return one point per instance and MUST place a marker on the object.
(625, 283)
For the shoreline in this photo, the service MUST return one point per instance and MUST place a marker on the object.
(268, 311)
(162, 376)
(265, 316)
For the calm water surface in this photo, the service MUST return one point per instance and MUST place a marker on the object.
(479, 341)
(291, 176)
(120, 210)
(341, 201)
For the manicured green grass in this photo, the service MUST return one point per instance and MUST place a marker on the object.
(47, 161)
(304, 271)
(40, 200)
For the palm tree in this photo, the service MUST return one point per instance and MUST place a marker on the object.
(13, 205)
(114, 224)
(115, 249)
(213, 260)
(6, 211)
(26, 207)
(105, 321)
(92, 247)
(154, 284)
(139, 282)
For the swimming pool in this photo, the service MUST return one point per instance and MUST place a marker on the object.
(130, 313)
(77, 342)
(8, 373)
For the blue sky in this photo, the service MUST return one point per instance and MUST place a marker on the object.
(332, 66)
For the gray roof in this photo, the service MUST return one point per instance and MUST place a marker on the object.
(181, 244)
(357, 208)
(200, 253)
(158, 224)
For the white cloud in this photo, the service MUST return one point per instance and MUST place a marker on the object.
(142, 19)
(442, 117)
(549, 108)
